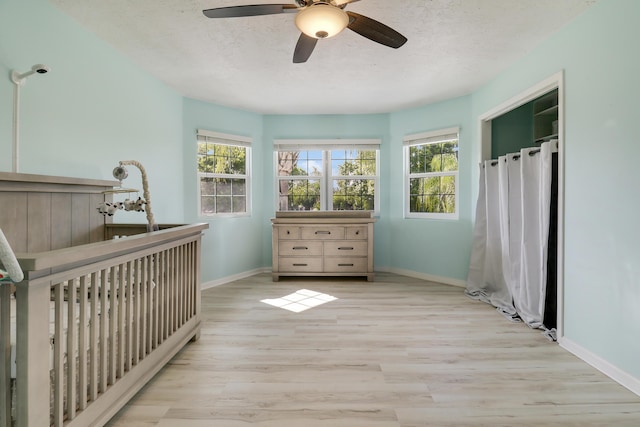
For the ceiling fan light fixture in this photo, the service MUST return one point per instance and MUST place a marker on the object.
(322, 20)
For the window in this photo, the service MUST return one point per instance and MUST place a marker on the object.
(327, 175)
(224, 164)
(431, 174)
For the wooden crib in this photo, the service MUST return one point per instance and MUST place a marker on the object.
(102, 307)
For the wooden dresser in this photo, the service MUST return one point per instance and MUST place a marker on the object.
(323, 244)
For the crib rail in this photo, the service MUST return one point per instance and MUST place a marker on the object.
(95, 324)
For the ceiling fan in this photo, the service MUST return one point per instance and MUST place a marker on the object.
(317, 19)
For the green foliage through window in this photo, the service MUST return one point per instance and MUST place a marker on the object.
(347, 178)
(222, 170)
(433, 172)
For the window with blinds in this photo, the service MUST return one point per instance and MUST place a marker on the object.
(431, 174)
(224, 170)
(327, 174)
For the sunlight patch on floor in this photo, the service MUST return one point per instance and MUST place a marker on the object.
(301, 300)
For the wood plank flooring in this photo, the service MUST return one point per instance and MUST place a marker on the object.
(397, 352)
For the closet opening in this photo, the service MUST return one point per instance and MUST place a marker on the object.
(527, 121)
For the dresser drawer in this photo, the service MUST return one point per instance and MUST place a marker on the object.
(299, 247)
(346, 248)
(357, 233)
(345, 265)
(285, 233)
(322, 233)
(300, 265)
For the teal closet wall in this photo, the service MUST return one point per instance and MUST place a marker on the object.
(512, 131)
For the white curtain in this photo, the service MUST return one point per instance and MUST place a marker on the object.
(508, 266)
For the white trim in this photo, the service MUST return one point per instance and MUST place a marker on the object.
(233, 277)
(484, 153)
(618, 375)
(429, 277)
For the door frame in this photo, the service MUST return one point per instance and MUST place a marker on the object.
(555, 81)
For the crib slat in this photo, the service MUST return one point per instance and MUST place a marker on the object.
(143, 308)
(128, 343)
(135, 324)
(154, 301)
(180, 285)
(121, 309)
(149, 316)
(82, 344)
(189, 284)
(172, 286)
(93, 338)
(103, 344)
(5, 355)
(58, 357)
(71, 349)
(113, 317)
(160, 302)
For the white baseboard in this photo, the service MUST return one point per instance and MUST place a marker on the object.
(243, 275)
(623, 378)
(428, 277)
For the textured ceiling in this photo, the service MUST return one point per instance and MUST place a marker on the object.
(454, 47)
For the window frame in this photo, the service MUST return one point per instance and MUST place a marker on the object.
(219, 138)
(427, 138)
(326, 146)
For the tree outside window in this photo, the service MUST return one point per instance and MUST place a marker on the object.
(337, 179)
(223, 177)
(432, 177)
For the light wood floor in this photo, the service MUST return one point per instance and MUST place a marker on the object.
(390, 353)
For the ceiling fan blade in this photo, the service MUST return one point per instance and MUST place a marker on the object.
(304, 48)
(249, 10)
(374, 30)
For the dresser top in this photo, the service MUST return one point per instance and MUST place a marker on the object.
(324, 214)
(310, 217)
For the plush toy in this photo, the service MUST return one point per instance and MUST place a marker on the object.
(134, 205)
(139, 204)
(129, 205)
(108, 209)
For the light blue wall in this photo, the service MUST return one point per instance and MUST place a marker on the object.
(231, 245)
(365, 126)
(602, 252)
(436, 247)
(93, 109)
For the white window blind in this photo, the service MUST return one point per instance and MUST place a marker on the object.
(325, 144)
(432, 137)
(222, 138)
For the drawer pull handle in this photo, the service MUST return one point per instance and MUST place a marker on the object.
(345, 265)
(300, 248)
(299, 265)
(357, 232)
(323, 232)
(345, 248)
